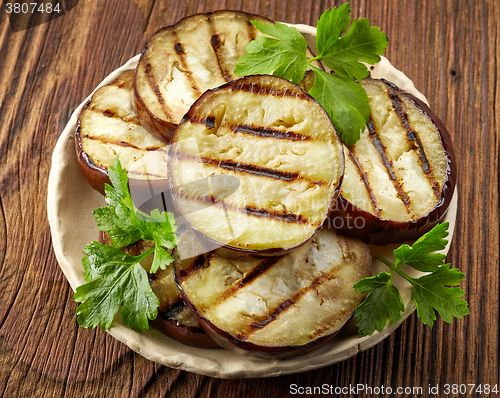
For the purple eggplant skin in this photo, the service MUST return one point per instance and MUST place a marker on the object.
(188, 335)
(228, 341)
(382, 232)
(95, 176)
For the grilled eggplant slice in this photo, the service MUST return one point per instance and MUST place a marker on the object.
(108, 126)
(182, 61)
(281, 146)
(400, 176)
(278, 305)
(174, 318)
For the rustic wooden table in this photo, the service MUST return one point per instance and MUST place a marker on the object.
(450, 49)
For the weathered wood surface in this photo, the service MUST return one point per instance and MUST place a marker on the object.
(450, 49)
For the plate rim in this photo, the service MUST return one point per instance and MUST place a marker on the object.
(190, 358)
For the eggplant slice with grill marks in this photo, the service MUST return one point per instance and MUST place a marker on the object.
(108, 126)
(400, 176)
(180, 62)
(174, 318)
(282, 147)
(280, 305)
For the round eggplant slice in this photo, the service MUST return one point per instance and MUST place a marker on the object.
(400, 176)
(273, 162)
(174, 318)
(278, 305)
(182, 61)
(108, 126)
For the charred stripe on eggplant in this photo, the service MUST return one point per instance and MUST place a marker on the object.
(239, 167)
(250, 210)
(154, 85)
(262, 90)
(257, 271)
(362, 175)
(119, 143)
(377, 143)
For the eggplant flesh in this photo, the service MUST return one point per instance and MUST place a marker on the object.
(278, 304)
(180, 62)
(184, 60)
(281, 146)
(400, 176)
(108, 126)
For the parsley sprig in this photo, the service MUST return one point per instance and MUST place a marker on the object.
(435, 291)
(342, 46)
(115, 278)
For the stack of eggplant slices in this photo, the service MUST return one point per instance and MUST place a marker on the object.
(274, 213)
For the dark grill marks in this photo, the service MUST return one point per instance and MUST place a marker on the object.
(110, 114)
(412, 136)
(263, 90)
(184, 67)
(286, 217)
(154, 85)
(172, 309)
(257, 271)
(251, 211)
(252, 31)
(260, 131)
(138, 173)
(195, 266)
(209, 121)
(364, 178)
(238, 167)
(289, 302)
(262, 324)
(377, 143)
(410, 133)
(178, 48)
(252, 169)
(257, 131)
(119, 143)
(216, 44)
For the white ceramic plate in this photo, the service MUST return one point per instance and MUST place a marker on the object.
(70, 205)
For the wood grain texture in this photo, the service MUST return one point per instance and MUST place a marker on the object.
(450, 49)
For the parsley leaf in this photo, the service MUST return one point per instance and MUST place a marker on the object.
(430, 293)
(284, 56)
(107, 221)
(386, 298)
(127, 224)
(115, 278)
(345, 101)
(119, 278)
(361, 43)
(419, 255)
(341, 47)
(435, 291)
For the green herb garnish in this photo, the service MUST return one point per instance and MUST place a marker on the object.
(113, 277)
(435, 291)
(340, 47)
